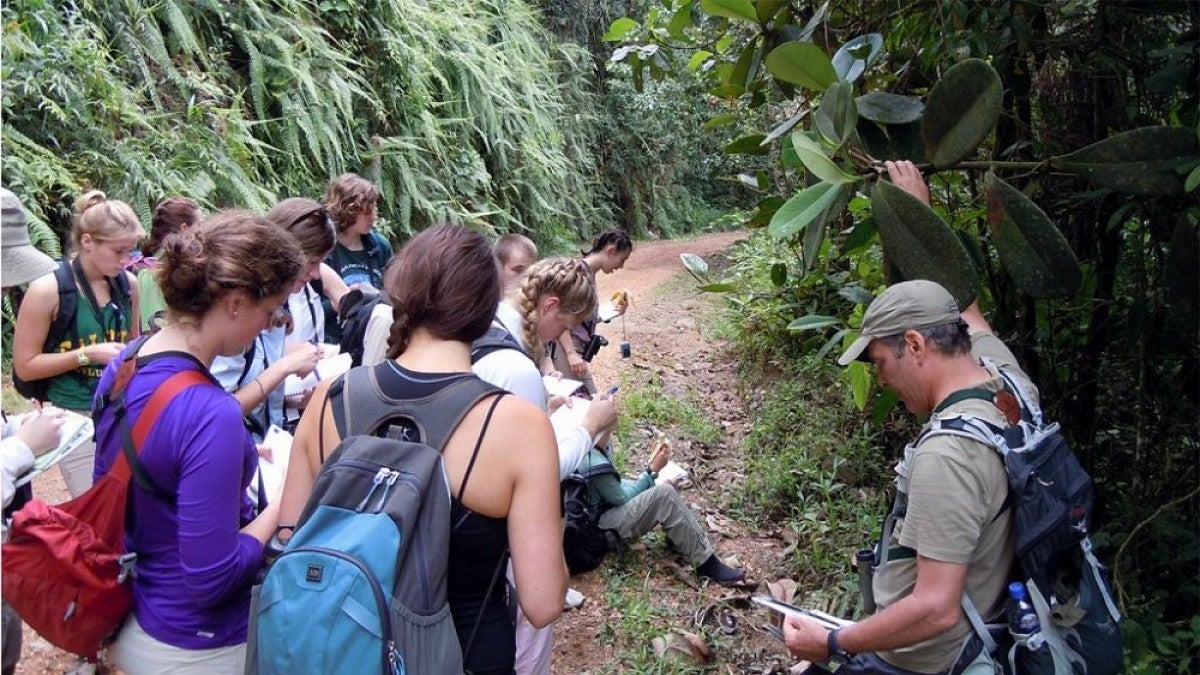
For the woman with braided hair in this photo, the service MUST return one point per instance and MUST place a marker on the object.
(552, 296)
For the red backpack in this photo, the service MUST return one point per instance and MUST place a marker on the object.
(65, 566)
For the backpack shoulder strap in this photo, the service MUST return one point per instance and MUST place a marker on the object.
(133, 439)
(496, 338)
(360, 407)
(68, 299)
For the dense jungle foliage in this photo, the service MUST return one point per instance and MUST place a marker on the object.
(1061, 141)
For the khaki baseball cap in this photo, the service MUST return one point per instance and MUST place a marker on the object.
(909, 305)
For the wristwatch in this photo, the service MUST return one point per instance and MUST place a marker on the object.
(835, 650)
(82, 359)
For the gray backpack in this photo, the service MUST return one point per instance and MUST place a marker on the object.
(361, 585)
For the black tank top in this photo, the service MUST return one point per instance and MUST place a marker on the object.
(477, 544)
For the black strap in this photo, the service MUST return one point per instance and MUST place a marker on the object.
(116, 292)
(966, 395)
(312, 313)
(462, 487)
(486, 596)
(249, 361)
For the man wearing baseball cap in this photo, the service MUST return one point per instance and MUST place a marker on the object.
(949, 531)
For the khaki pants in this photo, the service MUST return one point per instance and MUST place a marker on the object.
(137, 653)
(562, 365)
(660, 505)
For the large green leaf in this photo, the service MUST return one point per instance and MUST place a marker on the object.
(1145, 161)
(742, 10)
(920, 244)
(766, 9)
(860, 382)
(801, 63)
(814, 234)
(1032, 249)
(837, 115)
(852, 60)
(885, 108)
(804, 207)
(751, 144)
(816, 161)
(962, 110)
(619, 29)
(813, 322)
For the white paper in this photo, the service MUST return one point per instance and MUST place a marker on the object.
(76, 430)
(560, 386)
(670, 473)
(569, 415)
(786, 609)
(329, 367)
(273, 470)
(607, 311)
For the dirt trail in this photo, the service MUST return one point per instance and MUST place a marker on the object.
(645, 593)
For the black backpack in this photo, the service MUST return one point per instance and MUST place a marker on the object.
(584, 542)
(63, 325)
(354, 313)
(1051, 498)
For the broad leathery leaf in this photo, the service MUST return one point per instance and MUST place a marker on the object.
(1145, 161)
(680, 21)
(885, 108)
(765, 211)
(742, 10)
(856, 294)
(860, 236)
(814, 234)
(801, 63)
(747, 145)
(720, 121)
(831, 343)
(852, 60)
(744, 70)
(920, 244)
(813, 322)
(816, 162)
(779, 274)
(727, 91)
(786, 126)
(1193, 180)
(695, 265)
(860, 383)
(815, 22)
(837, 115)
(962, 110)
(1032, 249)
(619, 29)
(804, 207)
(766, 9)
(698, 60)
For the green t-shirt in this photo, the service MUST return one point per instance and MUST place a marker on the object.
(74, 389)
(150, 297)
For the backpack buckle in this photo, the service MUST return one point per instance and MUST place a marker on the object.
(128, 565)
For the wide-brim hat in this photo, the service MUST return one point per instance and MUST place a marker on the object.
(20, 262)
(909, 305)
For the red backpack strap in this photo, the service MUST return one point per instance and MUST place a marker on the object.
(132, 440)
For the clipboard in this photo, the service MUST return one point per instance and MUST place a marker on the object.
(827, 620)
(76, 430)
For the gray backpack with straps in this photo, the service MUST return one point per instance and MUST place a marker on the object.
(1051, 498)
(361, 585)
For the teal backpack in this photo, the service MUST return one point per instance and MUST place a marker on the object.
(361, 585)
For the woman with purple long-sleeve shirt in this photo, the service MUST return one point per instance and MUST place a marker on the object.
(198, 550)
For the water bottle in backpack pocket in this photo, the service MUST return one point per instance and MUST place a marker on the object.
(1029, 652)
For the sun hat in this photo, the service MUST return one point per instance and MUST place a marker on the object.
(20, 262)
(909, 305)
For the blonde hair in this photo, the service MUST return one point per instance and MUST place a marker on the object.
(103, 218)
(569, 279)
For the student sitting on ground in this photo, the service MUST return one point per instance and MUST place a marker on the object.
(632, 507)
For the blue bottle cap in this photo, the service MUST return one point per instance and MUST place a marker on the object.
(1016, 590)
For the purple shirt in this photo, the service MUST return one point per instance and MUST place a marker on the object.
(194, 569)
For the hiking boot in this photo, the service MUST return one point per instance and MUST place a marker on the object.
(719, 572)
